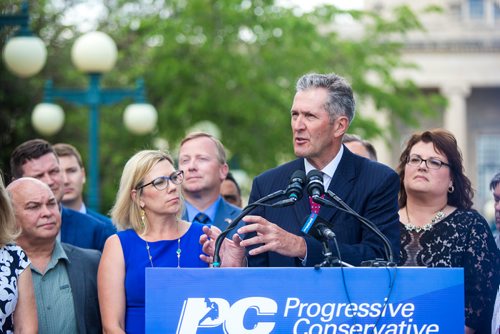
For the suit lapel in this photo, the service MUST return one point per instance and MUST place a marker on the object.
(223, 214)
(77, 283)
(341, 183)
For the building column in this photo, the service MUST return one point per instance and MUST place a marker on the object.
(455, 116)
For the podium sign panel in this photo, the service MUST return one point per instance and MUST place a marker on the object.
(304, 300)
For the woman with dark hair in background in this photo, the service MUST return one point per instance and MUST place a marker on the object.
(438, 226)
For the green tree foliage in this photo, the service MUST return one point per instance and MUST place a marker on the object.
(234, 63)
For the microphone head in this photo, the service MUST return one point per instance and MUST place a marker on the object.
(300, 175)
(296, 185)
(314, 225)
(315, 183)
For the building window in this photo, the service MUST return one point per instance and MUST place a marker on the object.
(476, 9)
(482, 11)
(496, 11)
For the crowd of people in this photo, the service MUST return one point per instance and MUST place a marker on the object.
(71, 269)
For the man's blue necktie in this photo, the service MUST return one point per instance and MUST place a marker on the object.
(202, 218)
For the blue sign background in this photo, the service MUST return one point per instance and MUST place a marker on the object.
(437, 295)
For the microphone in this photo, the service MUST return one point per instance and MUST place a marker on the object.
(315, 186)
(318, 228)
(366, 222)
(293, 192)
(294, 189)
(297, 181)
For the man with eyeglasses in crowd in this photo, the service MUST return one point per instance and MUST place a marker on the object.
(202, 157)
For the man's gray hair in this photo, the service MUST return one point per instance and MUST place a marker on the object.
(340, 97)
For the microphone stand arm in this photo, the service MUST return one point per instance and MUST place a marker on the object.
(234, 223)
(330, 260)
(346, 208)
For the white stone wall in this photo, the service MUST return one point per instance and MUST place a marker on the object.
(459, 57)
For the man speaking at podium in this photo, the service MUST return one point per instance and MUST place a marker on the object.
(322, 110)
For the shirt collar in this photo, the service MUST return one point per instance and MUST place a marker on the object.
(328, 170)
(210, 211)
(83, 208)
(58, 254)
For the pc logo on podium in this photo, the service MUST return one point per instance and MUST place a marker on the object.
(200, 313)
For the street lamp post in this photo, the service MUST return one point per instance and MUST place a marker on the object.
(23, 54)
(94, 53)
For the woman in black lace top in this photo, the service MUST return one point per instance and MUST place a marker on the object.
(438, 226)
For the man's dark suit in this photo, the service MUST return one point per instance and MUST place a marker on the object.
(84, 231)
(100, 217)
(368, 187)
(82, 273)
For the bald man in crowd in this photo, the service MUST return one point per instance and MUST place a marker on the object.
(64, 276)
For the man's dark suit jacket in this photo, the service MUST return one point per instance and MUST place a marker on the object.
(102, 218)
(368, 187)
(84, 231)
(82, 273)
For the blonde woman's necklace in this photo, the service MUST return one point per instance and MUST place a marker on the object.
(440, 215)
(177, 252)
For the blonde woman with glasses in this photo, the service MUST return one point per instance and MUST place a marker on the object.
(438, 226)
(151, 234)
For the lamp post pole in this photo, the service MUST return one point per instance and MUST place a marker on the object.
(21, 19)
(24, 54)
(94, 54)
(93, 97)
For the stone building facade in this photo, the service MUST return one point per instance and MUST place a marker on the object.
(459, 56)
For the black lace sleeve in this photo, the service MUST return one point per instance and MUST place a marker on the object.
(481, 263)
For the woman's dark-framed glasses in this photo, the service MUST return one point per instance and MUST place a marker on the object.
(431, 163)
(161, 182)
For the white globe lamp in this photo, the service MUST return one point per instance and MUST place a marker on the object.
(47, 118)
(25, 56)
(94, 52)
(140, 118)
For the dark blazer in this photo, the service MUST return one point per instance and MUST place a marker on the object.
(84, 231)
(224, 215)
(100, 217)
(368, 187)
(82, 273)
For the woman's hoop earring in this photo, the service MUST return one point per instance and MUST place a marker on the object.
(451, 189)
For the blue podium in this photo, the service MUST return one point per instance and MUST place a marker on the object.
(304, 300)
